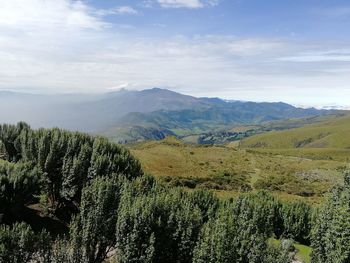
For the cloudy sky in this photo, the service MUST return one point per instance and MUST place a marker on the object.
(297, 51)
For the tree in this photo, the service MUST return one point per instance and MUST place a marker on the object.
(9, 135)
(162, 226)
(19, 183)
(296, 218)
(67, 160)
(331, 230)
(235, 237)
(20, 244)
(3, 152)
(216, 243)
(94, 228)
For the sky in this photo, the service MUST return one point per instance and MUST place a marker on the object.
(296, 51)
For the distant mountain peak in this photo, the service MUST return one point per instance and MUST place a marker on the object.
(160, 108)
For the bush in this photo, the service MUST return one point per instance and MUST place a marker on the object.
(20, 244)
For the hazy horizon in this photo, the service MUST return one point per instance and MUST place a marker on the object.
(99, 92)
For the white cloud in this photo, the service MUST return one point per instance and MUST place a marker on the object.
(340, 55)
(65, 46)
(187, 3)
(22, 14)
(252, 47)
(122, 10)
(126, 10)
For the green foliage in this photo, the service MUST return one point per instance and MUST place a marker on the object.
(67, 160)
(144, 221)
(20, 244)
(159, 227)
(233, 237)
(140, 219)
(65, 172)
(9, 140)
(94, 228)
(284, 252)
(221, 181)
(303, 253)
(331, 230)
(296, 217)
(19, 183)
(262, 209)
(207, 203)
(3, 152)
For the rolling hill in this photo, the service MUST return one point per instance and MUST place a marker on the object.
(228, 171)
(333, 132)
(302, 162)
(204, 115)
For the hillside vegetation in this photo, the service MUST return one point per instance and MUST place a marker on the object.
(233, 135)
(212, 115)
(228, 171)
(71, 197)
(331, 133)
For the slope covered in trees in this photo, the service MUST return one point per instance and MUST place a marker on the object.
(56, 165)
(112, 210)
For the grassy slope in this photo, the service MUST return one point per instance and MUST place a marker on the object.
(317, 163)
(332, 133)
(303, 253)
(287, 175)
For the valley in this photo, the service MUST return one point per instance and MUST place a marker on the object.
(293, 163)
(277, 173)
(174, 131)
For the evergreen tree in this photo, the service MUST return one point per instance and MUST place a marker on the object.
(67, 160)
(296, 218)
(19, 244)
(161, 226)
(19, 183)
(94, 229)
(331, 230)
(233, 236)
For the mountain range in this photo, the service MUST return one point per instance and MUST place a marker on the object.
(130, 115)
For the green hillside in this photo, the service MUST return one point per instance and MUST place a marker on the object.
(332, 133)
(195, 116)
(229, 171)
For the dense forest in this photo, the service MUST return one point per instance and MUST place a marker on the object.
(71, 197)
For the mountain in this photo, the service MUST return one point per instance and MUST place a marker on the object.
(89, 112)
(214, 115)
(332, 132)
(130, 115)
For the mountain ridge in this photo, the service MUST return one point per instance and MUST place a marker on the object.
(147, 114)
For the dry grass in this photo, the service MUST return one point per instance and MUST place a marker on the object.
(287, 174)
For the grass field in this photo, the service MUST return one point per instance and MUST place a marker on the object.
(333, 132)
(288, 173)
(303, 253)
